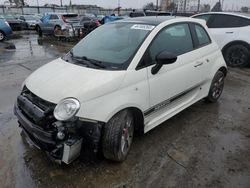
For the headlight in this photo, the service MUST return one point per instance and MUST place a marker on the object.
(7, 23)
(66, 109)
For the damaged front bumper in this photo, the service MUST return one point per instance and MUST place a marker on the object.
(63, 141)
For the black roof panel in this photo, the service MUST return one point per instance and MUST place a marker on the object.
(151, 20)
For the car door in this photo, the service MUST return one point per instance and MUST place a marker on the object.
(44, 25)
(53, 20)
(203, 51)
(224, 28)
(173, 81)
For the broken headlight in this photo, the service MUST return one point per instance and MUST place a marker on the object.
(66, 109)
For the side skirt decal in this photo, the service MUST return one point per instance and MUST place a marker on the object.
(168, 101)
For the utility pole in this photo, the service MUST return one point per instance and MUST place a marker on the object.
(38, 10)
(119, 5)
(185, 4)
(199, 3)
(61, 3)
(157, 4)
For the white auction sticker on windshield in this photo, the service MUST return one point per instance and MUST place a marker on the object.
(143, 27)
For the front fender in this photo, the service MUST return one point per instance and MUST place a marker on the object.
(134, 92)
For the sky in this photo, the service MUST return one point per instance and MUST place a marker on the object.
(133, 3)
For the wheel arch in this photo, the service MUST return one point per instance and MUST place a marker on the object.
(138, 118)
(224, 70)
(234, 43)
(3, 32)
(57, 26)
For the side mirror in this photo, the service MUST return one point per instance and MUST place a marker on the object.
(163, 58)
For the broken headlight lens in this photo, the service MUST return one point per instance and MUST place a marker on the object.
(66, 109)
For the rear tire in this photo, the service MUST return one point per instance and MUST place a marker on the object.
(118, 136)
(57, 31)
(2, 36)
(216, 87)
(237, 55)
(39, 31)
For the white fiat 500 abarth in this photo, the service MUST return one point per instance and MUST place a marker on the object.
(125, 77)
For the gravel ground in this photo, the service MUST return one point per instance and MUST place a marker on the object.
(206, 145)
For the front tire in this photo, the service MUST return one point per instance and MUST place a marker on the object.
(2, 36)
(216, 87)
(118, 136)
(237, 55)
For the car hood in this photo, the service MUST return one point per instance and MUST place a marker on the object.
(59, 79)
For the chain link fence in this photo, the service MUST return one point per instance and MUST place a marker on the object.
(42, 10)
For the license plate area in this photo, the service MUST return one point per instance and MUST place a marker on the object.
(71, 150)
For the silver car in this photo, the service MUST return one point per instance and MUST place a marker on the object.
(60, 24)
(30, 20)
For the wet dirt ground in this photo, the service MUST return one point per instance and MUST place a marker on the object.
(207, 145)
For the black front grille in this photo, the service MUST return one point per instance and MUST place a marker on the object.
(44, 105)
(37, 110)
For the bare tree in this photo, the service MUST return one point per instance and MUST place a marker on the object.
(217, 7)
(18, 3)
(149, 6)
(171, 7)
(205, 8)
(244, 9)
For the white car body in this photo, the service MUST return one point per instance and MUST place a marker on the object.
(103, 93)
(79, 101)
(228, 35)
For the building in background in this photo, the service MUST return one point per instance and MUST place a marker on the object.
(165, 4)
(186, 5)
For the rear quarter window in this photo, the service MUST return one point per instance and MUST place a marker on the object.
(202, 35)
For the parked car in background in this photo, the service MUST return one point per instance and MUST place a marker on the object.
(157, 13)
(125, 77)
(14, 22)
(148, 13)
(111, 18)
(30, 20)
(5, 29)
(39, 15)
(136, 14)
(89, 23)
(60, 24)
(232, 33)
(100, 17)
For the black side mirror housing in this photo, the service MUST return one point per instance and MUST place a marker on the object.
(163, 58)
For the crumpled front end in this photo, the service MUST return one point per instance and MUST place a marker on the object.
(63, 141)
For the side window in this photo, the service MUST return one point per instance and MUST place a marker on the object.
(54, 17)
(175, 39)
(202, 35)
(227, 21)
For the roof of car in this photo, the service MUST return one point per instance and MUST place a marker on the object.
(60, 13)
(152, 20)
(245, 15)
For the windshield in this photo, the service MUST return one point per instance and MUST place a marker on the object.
(113, 44)
(8, 17)
(29, 17)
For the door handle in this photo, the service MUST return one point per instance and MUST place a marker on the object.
(198, 64)
(229, 32)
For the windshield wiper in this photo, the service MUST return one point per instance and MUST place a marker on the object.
(90, 61)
